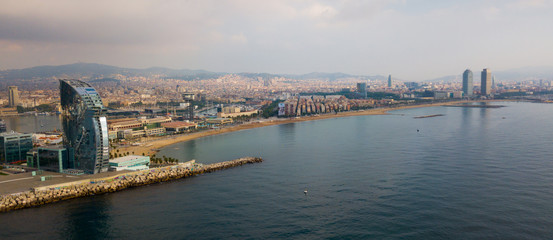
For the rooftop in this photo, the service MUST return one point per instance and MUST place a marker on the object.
(125, 158)
(178, 124)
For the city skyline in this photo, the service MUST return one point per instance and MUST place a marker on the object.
(374, 37)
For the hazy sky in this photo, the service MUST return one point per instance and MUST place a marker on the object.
(411, 39)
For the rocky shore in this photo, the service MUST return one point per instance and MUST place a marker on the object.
(54, 193)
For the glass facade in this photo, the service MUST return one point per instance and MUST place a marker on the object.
(486, 81)
(14, 146)
(467, 82)
(84, 126)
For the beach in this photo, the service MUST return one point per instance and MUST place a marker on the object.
(152, 146)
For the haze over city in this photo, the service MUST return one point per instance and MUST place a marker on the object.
(414, 40)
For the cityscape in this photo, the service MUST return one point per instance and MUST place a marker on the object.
(275, 121)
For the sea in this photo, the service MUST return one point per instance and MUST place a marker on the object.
(471, 173)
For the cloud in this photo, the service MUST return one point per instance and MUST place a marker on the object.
(406, 38)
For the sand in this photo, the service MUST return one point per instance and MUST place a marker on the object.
(151, 146)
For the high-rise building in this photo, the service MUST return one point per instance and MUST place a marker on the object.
(84, 126)
(390, 80)
(467, 83)
(362, 89)
(486, 82)
(189, 98)
(13, 96)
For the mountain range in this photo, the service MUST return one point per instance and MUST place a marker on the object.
(96, 71)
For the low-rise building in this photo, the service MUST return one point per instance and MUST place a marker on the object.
(178, 127)
(14, 146)
(53, 158)
(218, 121)
(236, 114)
(131, 162)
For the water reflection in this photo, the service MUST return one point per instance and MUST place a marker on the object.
(31, 123)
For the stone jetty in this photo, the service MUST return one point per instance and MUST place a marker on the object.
(94, 186)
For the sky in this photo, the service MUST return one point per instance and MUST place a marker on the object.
(410, 39)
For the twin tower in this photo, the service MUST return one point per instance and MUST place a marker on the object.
(486, 82)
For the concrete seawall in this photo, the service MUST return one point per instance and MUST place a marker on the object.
(54, 193)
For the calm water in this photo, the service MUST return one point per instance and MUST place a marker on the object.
(31, 123)
(473, 173)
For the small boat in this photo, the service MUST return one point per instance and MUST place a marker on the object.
(305, 192)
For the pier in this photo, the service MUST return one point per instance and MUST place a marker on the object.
(94, 186)
(429, 116)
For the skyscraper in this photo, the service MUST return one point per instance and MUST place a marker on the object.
(390, 80)
(84, 126)
(13, 96)
(486, 83)
(467, 83)
(362, 88)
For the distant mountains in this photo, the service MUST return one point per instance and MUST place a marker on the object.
(90, 69)
(94, 72)
(102, 73)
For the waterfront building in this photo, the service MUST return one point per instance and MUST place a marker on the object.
(13, 96)
(467, 83)
(54, 158)
(178, 127)
(486, 82)
(362, 89)
(14, 146)
(218, 121)
(131, 162)
(390, 80)
(84, 126)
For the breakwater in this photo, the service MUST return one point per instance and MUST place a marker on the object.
(429, 116)
(54, 193)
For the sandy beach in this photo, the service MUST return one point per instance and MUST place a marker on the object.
(151, 146)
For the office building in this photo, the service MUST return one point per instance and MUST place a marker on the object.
(362, 89)
(84, 126)
(467, 83)
(486, 82)
(14, 146)
(54, 158)
(13, 96)
(390, 80)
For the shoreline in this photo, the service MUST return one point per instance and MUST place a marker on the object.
(153, 146)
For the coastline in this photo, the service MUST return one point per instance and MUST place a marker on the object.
(153, 146)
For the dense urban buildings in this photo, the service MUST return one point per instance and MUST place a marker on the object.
(486, 82)
(467, 83)
(85, 126)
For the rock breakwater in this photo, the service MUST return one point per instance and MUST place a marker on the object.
(48, 194)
